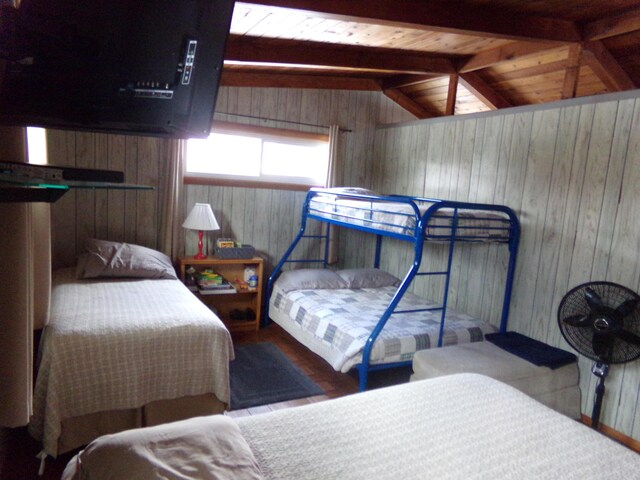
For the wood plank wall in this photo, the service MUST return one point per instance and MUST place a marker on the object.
(573, 175)
(119, 215)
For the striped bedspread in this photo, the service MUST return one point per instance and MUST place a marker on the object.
(336, 323)
(118, 344)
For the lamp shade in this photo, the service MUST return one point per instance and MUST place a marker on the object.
(201, 218)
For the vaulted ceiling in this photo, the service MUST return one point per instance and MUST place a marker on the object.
(437, 58)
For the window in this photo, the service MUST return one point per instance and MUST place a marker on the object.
(244, 153)
(37, 145)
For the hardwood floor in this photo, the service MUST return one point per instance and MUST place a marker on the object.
(18, 450)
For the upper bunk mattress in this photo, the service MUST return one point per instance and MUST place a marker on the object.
(400, 217)
(336, 323)
(122, 343)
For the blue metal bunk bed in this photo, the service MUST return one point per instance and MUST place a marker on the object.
(411, 219)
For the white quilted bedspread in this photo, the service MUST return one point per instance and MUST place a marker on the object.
(460, 427)
(120, 344)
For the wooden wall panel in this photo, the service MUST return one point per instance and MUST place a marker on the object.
(120, 215)
(572, 174)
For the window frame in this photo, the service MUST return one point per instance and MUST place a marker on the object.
(191, 178)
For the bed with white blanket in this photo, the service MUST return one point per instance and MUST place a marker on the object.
(460, 427)
(120, 353)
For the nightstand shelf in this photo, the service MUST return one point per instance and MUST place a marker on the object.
(240, 309)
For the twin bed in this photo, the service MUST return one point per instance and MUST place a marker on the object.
(458, 427)
(367, 318)
(126, 345)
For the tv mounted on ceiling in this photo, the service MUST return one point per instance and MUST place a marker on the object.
(144, 67)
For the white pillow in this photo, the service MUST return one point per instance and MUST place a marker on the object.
(351, 190)
(368, 278)
(207, 448)
(103, 258)
(309, 279)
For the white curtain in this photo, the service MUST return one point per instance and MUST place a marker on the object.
(333, 180)
(171, 210)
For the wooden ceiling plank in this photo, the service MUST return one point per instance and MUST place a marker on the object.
(439, 16)
(279, 51)
(408, 104)
(516, 74)
(283, 80)
(612, 26)
(571, 73)
(502, 54)
(488, 96)
(400, 81)
(598, 58)
(450, 107)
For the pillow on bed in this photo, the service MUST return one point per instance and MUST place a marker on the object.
(103, 258)
(208, 448)
(310, 279)
(352, 190)
(368, 278)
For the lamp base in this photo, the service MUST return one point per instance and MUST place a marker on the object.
(199, 255)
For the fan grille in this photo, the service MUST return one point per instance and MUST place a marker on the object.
(620, 346)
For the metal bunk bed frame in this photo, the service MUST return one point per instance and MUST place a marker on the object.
(418, 236)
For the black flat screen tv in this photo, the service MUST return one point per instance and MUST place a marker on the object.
(117, 66)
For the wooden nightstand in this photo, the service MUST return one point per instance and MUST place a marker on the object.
(239, 309)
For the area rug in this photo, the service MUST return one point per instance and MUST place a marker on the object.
(261, 374)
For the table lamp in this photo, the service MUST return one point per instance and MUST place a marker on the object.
(201, 218)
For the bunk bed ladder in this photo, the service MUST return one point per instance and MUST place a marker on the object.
(364, 367)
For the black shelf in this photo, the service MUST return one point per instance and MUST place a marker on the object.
(22, 194)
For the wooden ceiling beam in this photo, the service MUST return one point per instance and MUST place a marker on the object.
(293, 52)
(408, 104)
(238, 78)
(482, 91)
(506, 53)
(605, 66)
(612, 26)
(572, 72)
(452, 91)
(439, 16)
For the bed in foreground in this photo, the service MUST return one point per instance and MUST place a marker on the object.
(122, 352)
(464, 426)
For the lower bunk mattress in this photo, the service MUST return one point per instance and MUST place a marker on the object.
(336, 323)
(459, 427)
(120, 353)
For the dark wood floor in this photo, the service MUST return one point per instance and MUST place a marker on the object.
(18, 450)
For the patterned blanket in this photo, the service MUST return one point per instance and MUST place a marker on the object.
(118, 344)
(339, 321)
